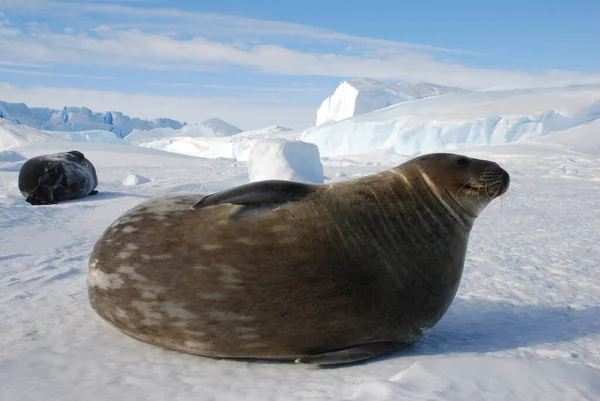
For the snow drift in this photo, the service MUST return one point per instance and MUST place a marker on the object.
(14, 136)
(234, 147)
(132, 179)
(98, 136)
(459, 119)
(362, 95)
(280, 159)
(210, 128)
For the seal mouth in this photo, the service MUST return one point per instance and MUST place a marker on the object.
(491, 188)
(501, 186)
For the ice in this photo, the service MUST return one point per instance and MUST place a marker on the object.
(80, 119)
(87, 136)
(459, 119)
(362, 95)
(449, 121)
(280, 159)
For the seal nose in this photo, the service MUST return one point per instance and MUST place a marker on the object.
(505, 178)
(504, 182)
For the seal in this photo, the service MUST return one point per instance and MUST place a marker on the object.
(317, 273)
(49, 179)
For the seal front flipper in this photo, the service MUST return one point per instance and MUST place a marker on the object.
(352, 354)
(260, 192)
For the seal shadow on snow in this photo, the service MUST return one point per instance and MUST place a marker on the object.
(480, 326)
(104, 195)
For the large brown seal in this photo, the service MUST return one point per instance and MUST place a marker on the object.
(322, 274)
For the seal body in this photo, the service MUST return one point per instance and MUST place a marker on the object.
(321, 274)
(49, 179)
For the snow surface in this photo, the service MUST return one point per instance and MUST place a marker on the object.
(459, 119)
(525, 324)
(362, 95)
(79, 119)
(281, 159)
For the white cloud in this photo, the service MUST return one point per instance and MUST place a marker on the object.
(133, 48)
(187, 22)
(28, 65)
(49, 74)
(300, 89)
(240, 112)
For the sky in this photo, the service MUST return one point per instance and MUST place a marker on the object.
(261, 63)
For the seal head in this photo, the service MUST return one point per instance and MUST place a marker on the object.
(319, 274)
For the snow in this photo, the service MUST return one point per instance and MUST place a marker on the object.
(362, 95)
(79, 119)
(138, 135)
(494, 378)
(525, 324)
(87, 136)
(449, 121)
(280, 159)
(213, 127)
(135, 179)
(14, 136)
(217, 127)
(458, 119)
(237, 146)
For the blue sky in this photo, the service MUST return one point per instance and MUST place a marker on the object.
(271, 62)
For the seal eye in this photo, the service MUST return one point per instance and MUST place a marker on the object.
(462, 161)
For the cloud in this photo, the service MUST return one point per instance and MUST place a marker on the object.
(50, 74)
(151, 51)
(15, 64)
(240, 112)
(119, 16)
(276, 89)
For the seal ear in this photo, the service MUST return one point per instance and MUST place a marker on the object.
(268, 191)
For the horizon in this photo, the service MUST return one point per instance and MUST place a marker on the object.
(255, 66)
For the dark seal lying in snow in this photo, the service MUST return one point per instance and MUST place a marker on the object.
(320, 274)
(49, 179)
